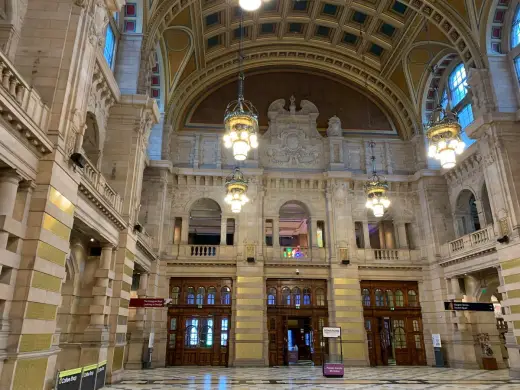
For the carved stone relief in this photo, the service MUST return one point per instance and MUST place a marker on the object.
(292, 139)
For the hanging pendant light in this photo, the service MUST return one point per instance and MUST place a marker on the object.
(241, 117)
(375, 189)
(443, 132)
(236, 189)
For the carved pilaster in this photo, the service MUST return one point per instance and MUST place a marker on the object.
(482, 93)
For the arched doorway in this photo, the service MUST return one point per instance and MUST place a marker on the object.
(205, 223)
(294, 229)
(466, 214)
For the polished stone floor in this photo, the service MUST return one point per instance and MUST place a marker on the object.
(311, 378)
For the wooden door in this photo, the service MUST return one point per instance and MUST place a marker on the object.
(273, 340)
(415, 341)
(385, 344)
(370, 325)
(172, 340)
(400, 344)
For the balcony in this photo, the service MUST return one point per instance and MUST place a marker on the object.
(205, 252)
(483, 240)
(389, 256)
(22, 107)
(94, 186)
(294, 255)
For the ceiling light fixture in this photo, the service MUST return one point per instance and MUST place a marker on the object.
(250, 5)
(236, 189)
(241, 117)
(375, 189)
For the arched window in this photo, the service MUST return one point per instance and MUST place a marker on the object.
(455, 98)
(225, 296)
(399, 298)
(306, 296)
(399, 337)
(286, 296)
(190, 296)
(515, 30)
(110, 46)
(380, 299)
(412, 298)
(389, 298)
(320, 297)
(366, 297)
(191, 336)
(212, 291)
(271, 296)
(297, 296)
(201, 292)
(206, 334)
(176, 292)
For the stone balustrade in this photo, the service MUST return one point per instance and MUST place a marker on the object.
(205, 252)
(98, 182)
(388, 255)
(481, 240)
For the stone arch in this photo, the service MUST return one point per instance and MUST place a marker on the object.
(93, 139)
(466, 216)
(204, 225)
(193, 201)
(294, 219)
(496, 35)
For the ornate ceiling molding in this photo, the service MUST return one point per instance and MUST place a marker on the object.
(438, 12)
(392, 97)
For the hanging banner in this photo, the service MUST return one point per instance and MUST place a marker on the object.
(101, 374)
(146, 302)
(69, 380)
(88, 378)
(469, 306)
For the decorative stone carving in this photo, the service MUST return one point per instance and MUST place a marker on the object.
(292, 139)
(334, 129)
(481, 89)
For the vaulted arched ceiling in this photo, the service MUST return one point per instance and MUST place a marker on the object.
(374, 44)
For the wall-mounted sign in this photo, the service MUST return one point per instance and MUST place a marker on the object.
(69, 380)
(146, 302)
(333, 370)
(468, 306)
(436, 340)
(330, 332)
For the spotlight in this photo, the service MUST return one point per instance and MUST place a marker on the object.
(91, 240)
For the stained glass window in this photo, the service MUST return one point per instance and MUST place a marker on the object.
(110, 46)
(458, 84)
(515, 31)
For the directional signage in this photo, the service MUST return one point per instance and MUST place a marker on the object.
(468, 306)
(146, 302)
(88, 378)
(101, 375)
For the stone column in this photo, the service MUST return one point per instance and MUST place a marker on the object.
(366, 235)
(313, 233)
(223, 230)
(185, 227)
(400, 233)
(276, 234)
(9, 181)
(137, 341)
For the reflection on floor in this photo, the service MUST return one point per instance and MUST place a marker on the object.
(311, 378)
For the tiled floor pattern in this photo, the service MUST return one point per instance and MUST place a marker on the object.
(311, 378)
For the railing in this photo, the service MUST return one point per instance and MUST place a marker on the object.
(145, 238)
(23, 94)
(96, 179)
(203, 250)
(470, 242)
(386, 254)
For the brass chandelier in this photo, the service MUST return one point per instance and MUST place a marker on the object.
(375, 189)
(443, 132)
(236, 189)
(241, 117)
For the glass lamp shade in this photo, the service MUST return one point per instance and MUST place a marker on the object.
(250, 5)
(236, 206)
(448, 158)
(379, 210)
(236, 188)
(240, 149)
(444, 140)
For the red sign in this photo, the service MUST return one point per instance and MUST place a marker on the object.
(146, 302)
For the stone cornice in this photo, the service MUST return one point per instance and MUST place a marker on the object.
(147, 251)
(392, 267)
(93, 196)
(463, 258)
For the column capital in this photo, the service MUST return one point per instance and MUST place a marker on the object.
(10, 175)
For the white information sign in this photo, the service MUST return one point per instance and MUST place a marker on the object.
(151, 340)
(331, 332)
(436, 339)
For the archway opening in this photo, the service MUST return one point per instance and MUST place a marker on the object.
(205, 223)
(466, 214)
(294, 228)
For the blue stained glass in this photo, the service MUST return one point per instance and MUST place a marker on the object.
(110, 43)
(466, 118)
(517, 67)
(515, 30)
